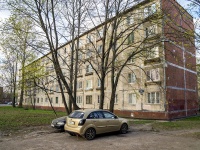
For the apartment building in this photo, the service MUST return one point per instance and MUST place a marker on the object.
(159, 82)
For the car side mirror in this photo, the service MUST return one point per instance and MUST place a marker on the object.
(116, 117)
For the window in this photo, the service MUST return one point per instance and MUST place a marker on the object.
(99, 49)
(38, 100)
(129, 20)
(149, 10)
(116, 99)
(88, 53)
(89, 99)
(79, 85)
(131, 60)
(89, 38)
(153, 97)
(151, 30)
(131, 78)
(153, 53)
(79, 99)
(56, 100)
(153, 75)
(88, 84)
(98, 83)
(98, 99)
(79, 55)
(51, 100)
(41, 100)
(93, 115)
(46, 99)
(131, 38)
(57, 88)
(88, 68)
(79, 71)
(108, 115)
(132, 98)
(100, 33)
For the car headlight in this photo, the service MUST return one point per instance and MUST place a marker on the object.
(60, 123)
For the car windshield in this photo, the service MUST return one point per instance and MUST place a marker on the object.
(76, 114)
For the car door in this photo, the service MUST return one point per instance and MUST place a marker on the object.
(112, 122)
(96, 118)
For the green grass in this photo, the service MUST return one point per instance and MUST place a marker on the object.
(182, 124)
(17, 118)
(139, 122)
(188, 123)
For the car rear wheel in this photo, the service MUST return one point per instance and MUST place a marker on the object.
(90, 134)
(124, 128)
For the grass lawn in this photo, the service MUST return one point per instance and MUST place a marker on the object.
(182, 124)
(16, 118)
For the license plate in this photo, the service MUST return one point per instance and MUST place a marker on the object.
(71, 122)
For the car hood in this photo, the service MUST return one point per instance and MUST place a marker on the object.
(61, 119)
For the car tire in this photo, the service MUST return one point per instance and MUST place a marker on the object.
(90, 134)
(124, 128)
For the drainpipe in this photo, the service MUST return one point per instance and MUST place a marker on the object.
(184, 80)
(164, 61)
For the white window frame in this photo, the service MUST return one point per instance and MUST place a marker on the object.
(99, 49)
(132, 98)
(151, 30)
(98, 99)
(88, 53)
(131, 60)
(100, 33)
(79, 85)
(153, 52)
(79, 99)
(153, 75)
(131, 78)
(116, 99)
(90, 100)
(150, 10)
(98, 83)
(89, 38)
(129, 20)
(56, 101)
(79, 71)
(57, 88)
(88, 84)
(130, 38)
(88, 68)
(153, 97)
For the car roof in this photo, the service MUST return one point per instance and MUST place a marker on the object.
(88, 111)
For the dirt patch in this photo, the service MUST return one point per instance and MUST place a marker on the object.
(139, 137)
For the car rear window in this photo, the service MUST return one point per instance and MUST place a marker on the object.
(76, 114)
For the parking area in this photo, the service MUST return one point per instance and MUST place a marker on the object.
(139, 138)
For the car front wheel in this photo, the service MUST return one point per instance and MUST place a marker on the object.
(90, 134)
(124, 128)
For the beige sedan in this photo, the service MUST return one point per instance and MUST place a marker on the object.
(90, 122)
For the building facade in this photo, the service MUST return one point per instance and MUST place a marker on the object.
(160, 82)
